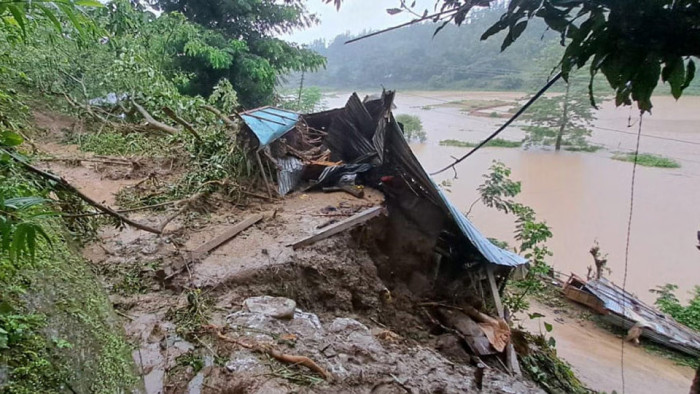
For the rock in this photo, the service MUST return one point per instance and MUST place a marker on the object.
(346, 326)
(195, 385)
(277, 307)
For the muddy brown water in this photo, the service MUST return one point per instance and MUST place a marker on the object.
(583, 196)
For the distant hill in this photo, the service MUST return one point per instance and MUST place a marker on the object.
(455, 59)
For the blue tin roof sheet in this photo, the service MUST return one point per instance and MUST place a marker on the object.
(268, 124)
(491, 252)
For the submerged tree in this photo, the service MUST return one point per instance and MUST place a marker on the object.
(561, 119)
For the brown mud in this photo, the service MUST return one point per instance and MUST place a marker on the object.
(352, 318)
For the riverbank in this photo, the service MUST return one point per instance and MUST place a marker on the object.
(594, 352)
(583, 196)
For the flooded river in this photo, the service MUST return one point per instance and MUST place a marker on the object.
(584, 197)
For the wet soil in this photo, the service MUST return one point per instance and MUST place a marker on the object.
(367, 332)
(595, 354)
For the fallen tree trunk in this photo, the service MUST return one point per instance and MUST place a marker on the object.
(223, 117)
(188, 126)
(67, 186)
(154, 123)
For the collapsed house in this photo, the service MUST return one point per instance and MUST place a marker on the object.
(362, 145)
(622, 309)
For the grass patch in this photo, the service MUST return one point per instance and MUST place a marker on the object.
(473, 105)
(677, 357)
(494, 143)
(648, 160)
(585, 148)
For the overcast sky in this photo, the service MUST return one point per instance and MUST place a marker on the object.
(354, 16)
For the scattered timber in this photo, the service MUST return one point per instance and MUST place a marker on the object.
(225, 236)
(341, 226)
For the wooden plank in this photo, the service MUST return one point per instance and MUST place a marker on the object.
(512, 360)
(225, 236)
(468, 330)
(494, 291)
(341, 226)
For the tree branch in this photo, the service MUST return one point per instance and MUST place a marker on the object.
(67, 186)
(188, 126)
(223, 117)
(152, 122)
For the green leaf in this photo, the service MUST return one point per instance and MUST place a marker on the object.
(548, 327)
(497, 27)
(19, 17)
(689, 74)
(535, 315)
(8, 138)
(674, 74)
(50, 15)
(552, 342)
(89, 3)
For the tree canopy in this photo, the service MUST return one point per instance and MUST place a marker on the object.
(244, 31)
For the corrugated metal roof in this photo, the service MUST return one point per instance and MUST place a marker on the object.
(627, 306)
(289, 174)
(269, 124)
(491, 252)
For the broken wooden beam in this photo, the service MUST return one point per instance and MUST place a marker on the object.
(225, 237)
(341, 226)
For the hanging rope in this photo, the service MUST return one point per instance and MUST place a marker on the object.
(627, 246)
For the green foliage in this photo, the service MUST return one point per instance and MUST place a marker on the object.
(118, 144)
(543, 366)
(309, 101)
(456, 59)
(246, 51)
(498, 191)
(224, 97)
(412, 127)
(667, 302)
(648, 160)
(51, 305)
(633, 44)
(18, 18)
(561, 120)
(494, 143)
(190, 318)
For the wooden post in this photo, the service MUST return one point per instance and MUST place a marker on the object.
(511, 356)
(262, 170)
(494, 291)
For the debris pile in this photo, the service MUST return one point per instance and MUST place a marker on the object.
(622, 309)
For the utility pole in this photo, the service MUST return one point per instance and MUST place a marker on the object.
(301, 87)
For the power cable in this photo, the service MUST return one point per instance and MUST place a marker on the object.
(627, 247)
(506, 124)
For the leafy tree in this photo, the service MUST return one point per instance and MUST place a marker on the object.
(305, 101)
(668, 302)
(563, 119)
(412, 127)
(257, 57)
